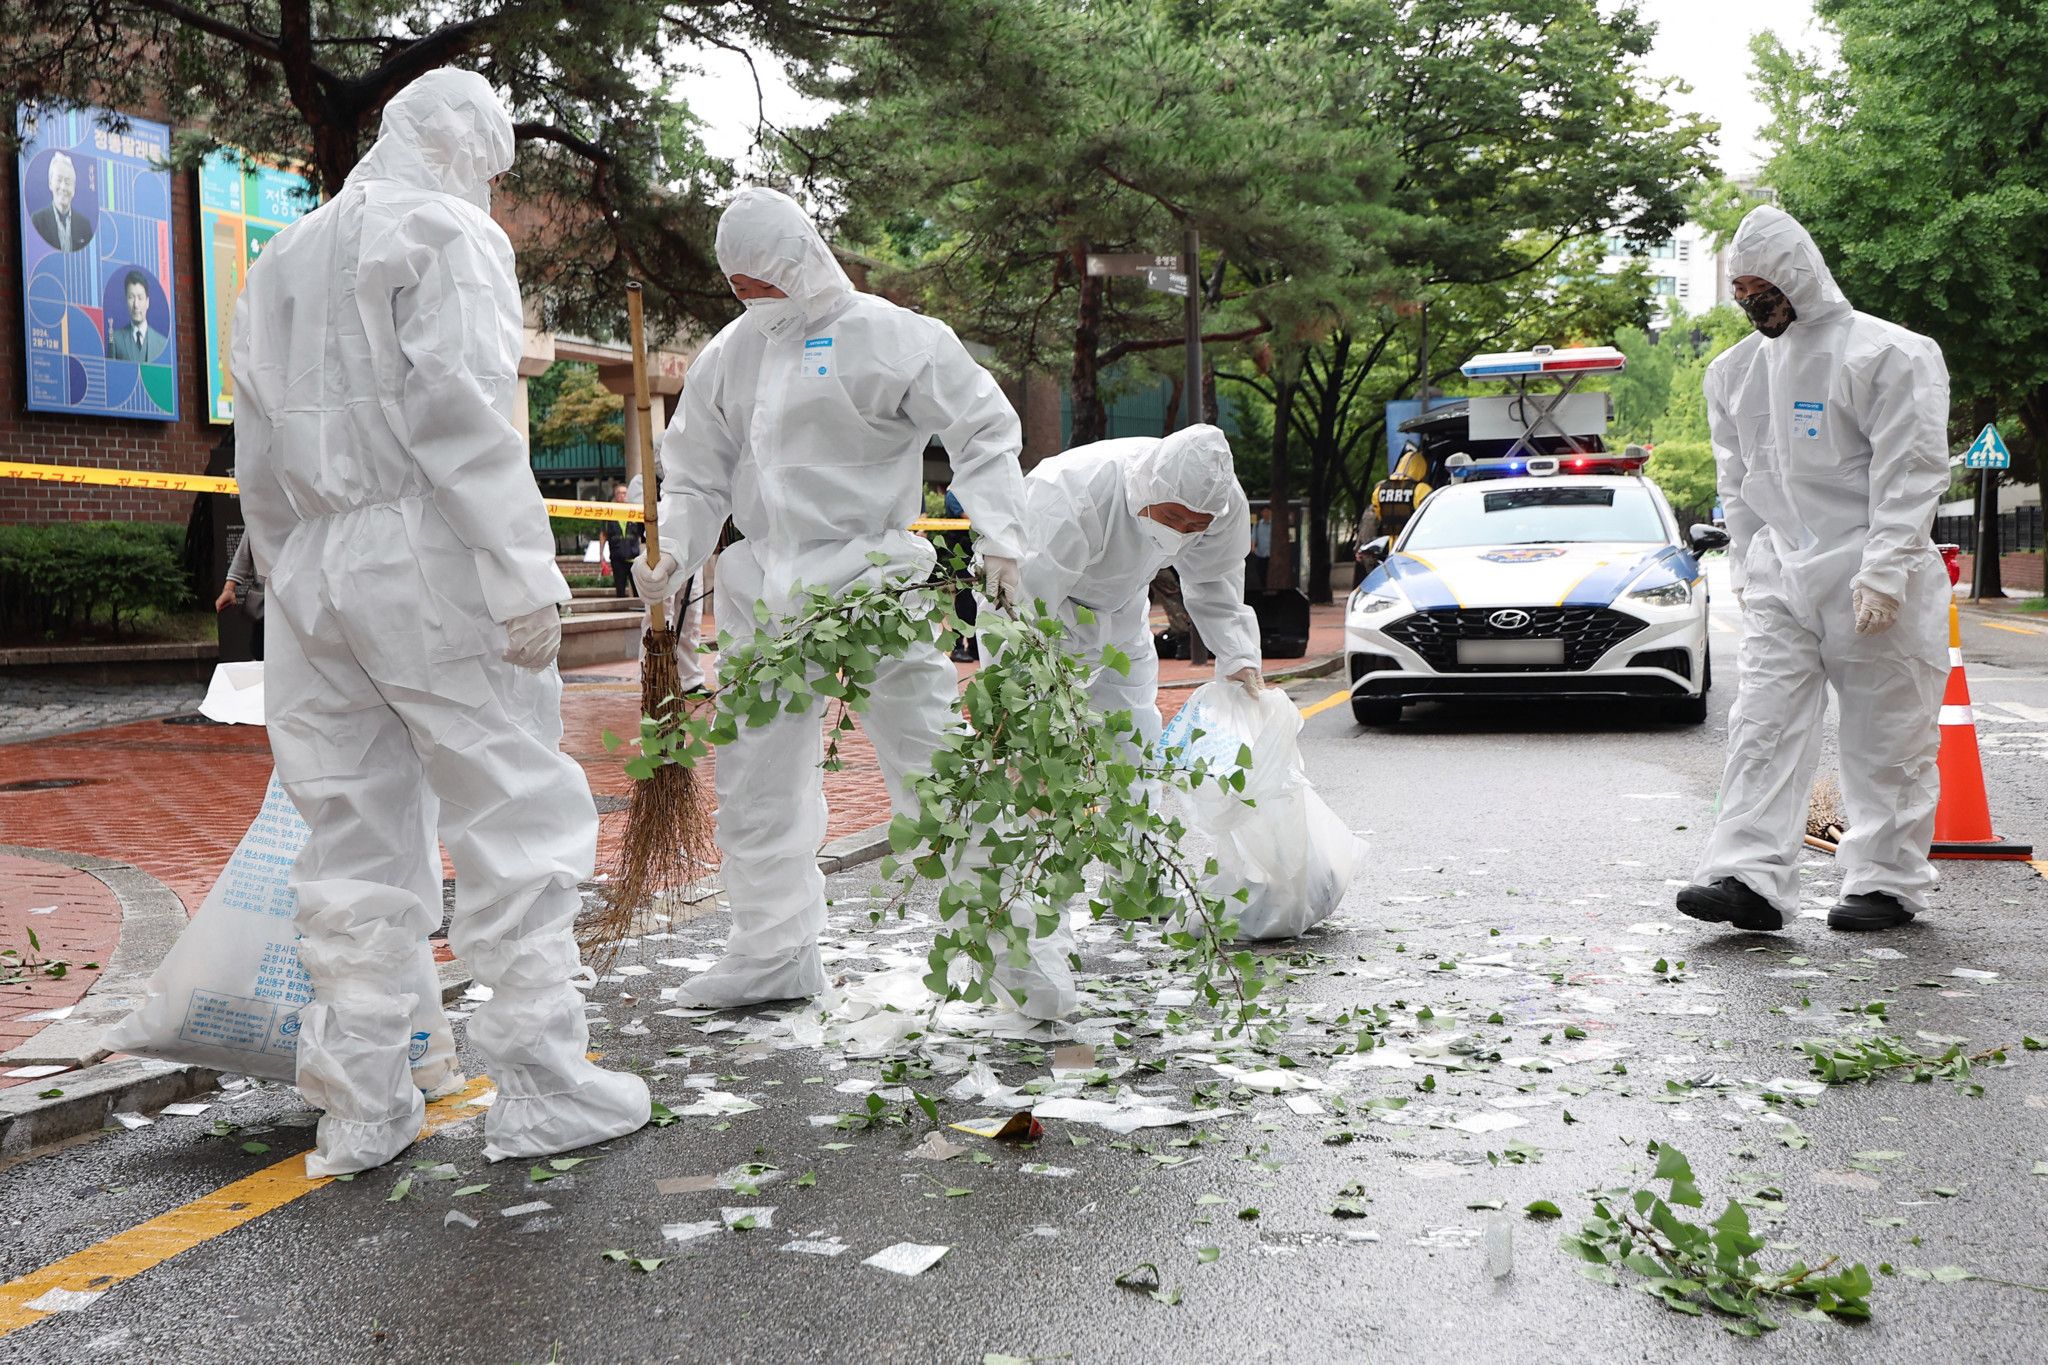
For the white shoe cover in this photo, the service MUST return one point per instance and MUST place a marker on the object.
(1043, 988)
(607, 1105)
(344, 1147)
(734, 981)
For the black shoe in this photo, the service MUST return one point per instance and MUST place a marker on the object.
(1731, 902)
(1869, 910)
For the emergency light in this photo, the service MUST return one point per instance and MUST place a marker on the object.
(1463, 468)
(1545, 360)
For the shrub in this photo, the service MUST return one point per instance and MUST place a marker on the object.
(54, 579)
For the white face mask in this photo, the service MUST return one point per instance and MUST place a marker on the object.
(775, 318)
(1165, 537)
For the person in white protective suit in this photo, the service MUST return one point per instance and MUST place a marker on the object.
(387, 490)
(806, 421)
(1830, 433)
(1102, 519)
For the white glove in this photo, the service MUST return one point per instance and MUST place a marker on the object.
(1248, 678)
(1875, 611)
(532, 641)
(657, 582)
(1001, 582)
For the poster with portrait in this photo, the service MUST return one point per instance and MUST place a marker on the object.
(97, 306)
(242, 205)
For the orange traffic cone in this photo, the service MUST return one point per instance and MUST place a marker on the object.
(1962, 820)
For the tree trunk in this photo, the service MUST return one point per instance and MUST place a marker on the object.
(1280, 566)
(1084, 389)
(1168, 427)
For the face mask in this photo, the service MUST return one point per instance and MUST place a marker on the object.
(775, 318)
(1770, 312)
(1165, 537)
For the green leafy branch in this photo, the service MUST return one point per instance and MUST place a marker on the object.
(1840, 1061)
(1688, 1266)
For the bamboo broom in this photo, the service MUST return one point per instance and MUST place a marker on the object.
(668, 836)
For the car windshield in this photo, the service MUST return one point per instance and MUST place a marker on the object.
(1548, 514)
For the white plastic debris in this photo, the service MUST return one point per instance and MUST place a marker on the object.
(689, 1232)
(1125, 1115)
(907, 1258)
(1486, 1123)
(63, 1300)
(131, 1121)
(828, 1246)
(1500, 1246)
(764, 1217)
(35, 1073)
(716, 1102)
(1973, 974)
(521, 1210)
(190, 1109)
(457, 1218)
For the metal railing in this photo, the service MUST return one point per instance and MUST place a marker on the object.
(584, 459)
(2020, 530)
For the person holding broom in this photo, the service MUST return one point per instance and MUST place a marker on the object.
(806, 422)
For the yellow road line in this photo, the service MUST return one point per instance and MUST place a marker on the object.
(146, 1246)
(1314, 709)
(2016, 630)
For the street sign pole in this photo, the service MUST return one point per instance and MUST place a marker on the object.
(1191, 257)
(1987, 455)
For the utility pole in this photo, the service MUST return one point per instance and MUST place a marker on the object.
(1191, 263)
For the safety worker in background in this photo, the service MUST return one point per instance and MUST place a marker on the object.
(415, 611)
(1394, 500)
(621, 543)
(685, 610)
(1830, 433)
(1102, 519)
(806, 421)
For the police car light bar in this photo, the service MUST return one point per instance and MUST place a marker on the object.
(1630, 461)
(1545, 360)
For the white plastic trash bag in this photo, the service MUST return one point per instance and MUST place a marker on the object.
(235, 696)
(227, 995)
(1276, 839)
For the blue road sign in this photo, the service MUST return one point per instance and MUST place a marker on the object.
(1987, 451)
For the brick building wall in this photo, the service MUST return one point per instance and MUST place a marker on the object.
(179, 447)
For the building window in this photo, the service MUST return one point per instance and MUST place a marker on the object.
(1664, 285)
(1664, 250)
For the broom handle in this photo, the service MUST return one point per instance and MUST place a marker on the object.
(648, 493)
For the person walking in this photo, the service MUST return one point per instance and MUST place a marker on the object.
(1830, 432)
(622, 540)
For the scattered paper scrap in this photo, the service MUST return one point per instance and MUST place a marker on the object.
(689, 1232)
(907, 1258)
(187, 1110)
(63, 1300)
(829, 1246)
(1022, 1126)
(36, 1073)
(745, 1219)
(521, 1210)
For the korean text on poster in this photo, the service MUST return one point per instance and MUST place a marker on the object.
(100, 317)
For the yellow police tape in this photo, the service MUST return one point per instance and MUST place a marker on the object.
(208, 483)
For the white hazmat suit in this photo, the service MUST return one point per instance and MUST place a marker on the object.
(1831, 445)
(806, 422)
(1090, 548)
(388, 495)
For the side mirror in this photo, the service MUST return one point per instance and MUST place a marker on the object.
(1374, 553)
(1705, 537)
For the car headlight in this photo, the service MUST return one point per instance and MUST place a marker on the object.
(1372, 603)
(1671, 592)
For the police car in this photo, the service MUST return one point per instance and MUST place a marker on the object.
(1558, 574)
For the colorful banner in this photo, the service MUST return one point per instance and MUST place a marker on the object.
(97, 306)
(241, 206)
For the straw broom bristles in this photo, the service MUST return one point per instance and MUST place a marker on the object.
(668, 826)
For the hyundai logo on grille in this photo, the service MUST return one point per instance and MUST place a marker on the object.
(1514, 618)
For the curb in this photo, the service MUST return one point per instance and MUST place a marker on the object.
(1317, 668)
(152, 917)
(851, 850)
(124, 1085)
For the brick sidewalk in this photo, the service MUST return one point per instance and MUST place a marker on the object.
(76, 920)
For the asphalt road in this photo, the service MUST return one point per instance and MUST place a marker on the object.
(1534, 849)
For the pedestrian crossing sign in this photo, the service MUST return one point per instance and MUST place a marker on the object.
(1987, 451)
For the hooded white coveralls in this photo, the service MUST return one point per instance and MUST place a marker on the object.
(1089, 548)
(1831, 446)
(388, 494)
(806, 422)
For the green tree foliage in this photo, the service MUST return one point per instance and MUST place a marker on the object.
(580, 410)
(613, 181)
(1660, 400)
(1920, 165)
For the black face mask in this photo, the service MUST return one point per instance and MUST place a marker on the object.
(1770, 312)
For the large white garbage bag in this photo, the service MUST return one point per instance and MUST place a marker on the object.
(227, 995)
(1276, 839)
